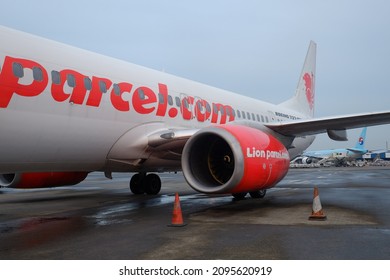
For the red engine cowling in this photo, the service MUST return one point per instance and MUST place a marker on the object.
(233, 159)
(41, 179)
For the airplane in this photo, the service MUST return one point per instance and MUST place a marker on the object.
(66, 112)
(341, 155)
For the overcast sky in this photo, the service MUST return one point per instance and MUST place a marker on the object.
(255, 48)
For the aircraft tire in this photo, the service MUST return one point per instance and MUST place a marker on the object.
(239, 196)
(136, 184)
(152, 184)
(258, 194)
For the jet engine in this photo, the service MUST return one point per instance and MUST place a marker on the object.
(307, 160)
(41, 180)
(233, 159)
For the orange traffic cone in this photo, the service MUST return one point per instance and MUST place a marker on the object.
(317, 213)
(177, 217)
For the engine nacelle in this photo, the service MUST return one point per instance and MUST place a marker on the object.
(233, 159)
(307, 160)
(41, 179)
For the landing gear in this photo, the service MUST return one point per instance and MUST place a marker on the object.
(141, 183)
(258, 194)
(239, 196)
(255, 194)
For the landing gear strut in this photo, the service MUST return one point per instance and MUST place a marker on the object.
(141, 183)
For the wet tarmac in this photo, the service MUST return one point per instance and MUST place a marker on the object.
(100, 219)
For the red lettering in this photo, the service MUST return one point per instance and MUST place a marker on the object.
(143, 96)
(9, 83)
(162, 106)
(117, 98)
(201, 111)
(99, 86)
(223, 111)
(28, 78)
(75, 81)
(186, 106)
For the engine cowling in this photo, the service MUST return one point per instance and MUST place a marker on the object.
(307, 160)
(233, 159)
(41, 179)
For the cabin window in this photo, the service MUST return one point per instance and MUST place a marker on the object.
(55, 77)
(238, 114)
(253, 117)
(258, 117)
(170, 100)
(248, 115)
(160, 98)
(141, 94)
(177, 100)
(262, 118)
(266, 119)
(208, 108)
(87, 83)
(243, 114)
(199, 106)
(222, 110)
(103, 86)
(70, 79)
(186, 104)
(37, 74)
(117, 90)
(17, 69)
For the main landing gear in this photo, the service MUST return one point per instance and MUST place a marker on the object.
(255, 194)
(141, 183)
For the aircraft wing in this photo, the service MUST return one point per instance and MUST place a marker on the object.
(334, 126)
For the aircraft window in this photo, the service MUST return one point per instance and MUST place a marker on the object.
(141, 94)
(17, 68)
(71, 80)
(253, 117)
(56, 78)
(102, 86)
(170, 100)
(262, 118)
(258, 117)
(199, 105)
(37, 74)
(238, 114)
(160, 98)
(185, 101)
(266, 119)
(177, 100)
(87, 83)
(232, 113)
(222, 111)
(248, 115)
(243, 114)
(208, 108)
(117, 90)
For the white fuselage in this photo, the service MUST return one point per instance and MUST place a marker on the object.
(76, 110)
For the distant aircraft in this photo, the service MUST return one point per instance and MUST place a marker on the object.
(341, 155)
(65, 112)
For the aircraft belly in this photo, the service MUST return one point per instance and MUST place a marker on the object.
(40, 141)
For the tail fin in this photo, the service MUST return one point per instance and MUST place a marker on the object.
(303, 100)
(361, 140)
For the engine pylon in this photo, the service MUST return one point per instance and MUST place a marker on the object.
(177, 217)
(317, 213)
